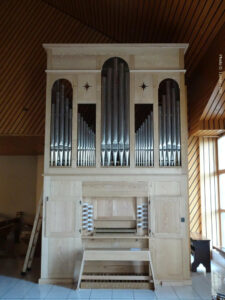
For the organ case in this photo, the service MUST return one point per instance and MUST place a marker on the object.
(115, 173)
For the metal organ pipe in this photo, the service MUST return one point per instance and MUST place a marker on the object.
(115, 144)
(108, 116)
(127, 118)
(69, 139)
(61, 127)
(85, 144)
(66, 141)
(144, 143)
(115, 112)
(164, 130)
(57, 129)
(52, 143)
(168, 120)
(121, 114)
(169, 124)
(174, 126)
(103, 121)
(178, 133)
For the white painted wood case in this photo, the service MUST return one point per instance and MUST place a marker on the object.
(115, 192)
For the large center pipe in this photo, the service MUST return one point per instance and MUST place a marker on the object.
(127, 118)
(61, 125)
(121, 113)
(103, 120)
(57, 128)
(109, 119)
(70, 138)
(164, 130)
(115, 111)
(168, 113)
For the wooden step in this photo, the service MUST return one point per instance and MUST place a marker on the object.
(116, 255)
(116, 277)
(91, 280)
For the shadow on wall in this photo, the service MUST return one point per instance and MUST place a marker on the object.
(20, 185)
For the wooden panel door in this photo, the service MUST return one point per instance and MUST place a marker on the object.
(63, 209)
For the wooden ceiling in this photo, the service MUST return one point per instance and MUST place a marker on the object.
(27, 24)
(151, 21)
(212, 121)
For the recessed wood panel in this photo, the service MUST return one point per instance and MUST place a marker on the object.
(115, 189)
(64, 257)
(171, 259)
(60, 218)
(115, 208)
(69, 62)
(166, 188)
(167, 215)
(65, 188)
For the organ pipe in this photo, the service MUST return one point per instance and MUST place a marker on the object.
(115, 144)
(61, 127)
(108, 115)
(115, 111)
(169, 124)
(121, 114)
(85, 143)
(127, 118)
(103, 120)
(144, 143)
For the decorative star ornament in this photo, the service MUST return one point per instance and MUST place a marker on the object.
(143, 86)
(86, 86)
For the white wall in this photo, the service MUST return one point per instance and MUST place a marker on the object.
(20, 184)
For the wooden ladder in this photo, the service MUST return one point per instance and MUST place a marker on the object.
(116, 255)
(33, 238)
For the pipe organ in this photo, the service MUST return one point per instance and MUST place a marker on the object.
(115, 173)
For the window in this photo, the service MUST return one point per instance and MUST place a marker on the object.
(221, 174)
(169, 124)
(115, 139)
(61, 124)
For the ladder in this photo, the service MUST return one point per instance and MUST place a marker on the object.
(33, 238)
(116, 255)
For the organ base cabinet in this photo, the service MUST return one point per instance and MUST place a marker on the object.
(115, 175)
